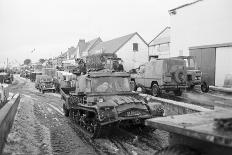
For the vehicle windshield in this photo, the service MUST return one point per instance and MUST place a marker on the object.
(110, 84)
(190, 63)
(46, 80)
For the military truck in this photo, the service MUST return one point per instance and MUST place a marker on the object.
(194, 75)
(6, 77)
(33, 76)
(46, 83)
(64, 79)
(159, 75)
(104, 99)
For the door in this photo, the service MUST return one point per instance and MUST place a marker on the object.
(223, 66)
(206, 60)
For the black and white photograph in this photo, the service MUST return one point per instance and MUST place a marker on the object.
(115, 77)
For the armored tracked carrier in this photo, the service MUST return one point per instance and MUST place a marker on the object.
(102, 100)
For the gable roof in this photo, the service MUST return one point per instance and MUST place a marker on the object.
(89, 45)
(63, 55)
(162, 38)
(112, 46)
(172, 11)
(71, 51)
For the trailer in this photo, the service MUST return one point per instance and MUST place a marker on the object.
(207, 133)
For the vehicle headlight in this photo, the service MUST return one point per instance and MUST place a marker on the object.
(197, 78)
(100, 100)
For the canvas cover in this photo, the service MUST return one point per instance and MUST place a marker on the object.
(98, 61)
(49, 71)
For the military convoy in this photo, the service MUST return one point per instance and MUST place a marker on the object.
(102, 95)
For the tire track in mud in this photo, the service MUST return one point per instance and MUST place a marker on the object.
(136, 143)
(60, 136)
(63, 139)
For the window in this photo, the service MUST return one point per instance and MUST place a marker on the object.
(135, 47)
(110, 84)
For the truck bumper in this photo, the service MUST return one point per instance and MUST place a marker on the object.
(49, 88)
(138, 119)
(195, 82)
(173, 87)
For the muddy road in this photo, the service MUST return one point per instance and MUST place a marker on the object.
(40, 127)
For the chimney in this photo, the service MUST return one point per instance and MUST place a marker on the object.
(81, 45)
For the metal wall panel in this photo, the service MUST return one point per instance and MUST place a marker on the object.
(206, 60)
(223, 64)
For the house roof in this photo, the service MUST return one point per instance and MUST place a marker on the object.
(172, 11)
(162, 38)
(63, 55)
(70, 50)
(89, 45)
(114, 45)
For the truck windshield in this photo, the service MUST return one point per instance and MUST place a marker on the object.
(190, 63)
(110, 84)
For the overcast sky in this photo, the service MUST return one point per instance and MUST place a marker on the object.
(51, 26)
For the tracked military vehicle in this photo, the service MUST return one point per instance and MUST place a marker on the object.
(103, 99)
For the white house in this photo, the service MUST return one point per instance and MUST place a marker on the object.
(203, 28)
(132, 49)
(160, 45)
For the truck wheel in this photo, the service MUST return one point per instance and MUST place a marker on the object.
(133, 86)
(66, 111)
(177, 92)
(177, 150)
(204, 87)
(155, 90)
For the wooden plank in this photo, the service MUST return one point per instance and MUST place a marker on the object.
(196, 125)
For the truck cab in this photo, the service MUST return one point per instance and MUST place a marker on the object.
(46, 83)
